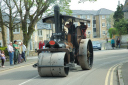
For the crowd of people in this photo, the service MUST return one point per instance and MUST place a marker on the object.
(16, 53)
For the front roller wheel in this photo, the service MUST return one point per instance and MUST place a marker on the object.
(85, 54)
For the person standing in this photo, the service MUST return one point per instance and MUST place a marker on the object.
(41, 44)
(11, 53)
(3, 58)
(23, 49)
(16, 51)
(118, 42)
(113, 43)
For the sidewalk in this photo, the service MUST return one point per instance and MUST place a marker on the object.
(30, 60)
(123, 74)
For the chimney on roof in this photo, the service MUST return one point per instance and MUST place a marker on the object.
(119, 2)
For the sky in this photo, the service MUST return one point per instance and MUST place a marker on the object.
(108, 4)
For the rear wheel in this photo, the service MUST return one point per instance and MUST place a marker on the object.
(85, 54)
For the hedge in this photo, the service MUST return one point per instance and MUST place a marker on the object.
(5, 50)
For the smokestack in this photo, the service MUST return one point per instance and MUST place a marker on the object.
(119, 2)
(57, 18)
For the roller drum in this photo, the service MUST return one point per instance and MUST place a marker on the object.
(52, 64)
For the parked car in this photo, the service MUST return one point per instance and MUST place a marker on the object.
(96, 45)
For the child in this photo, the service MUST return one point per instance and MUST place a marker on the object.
(3, 58)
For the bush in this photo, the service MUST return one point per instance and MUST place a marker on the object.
(5, 50)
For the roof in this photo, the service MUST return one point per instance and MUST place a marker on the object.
(41, 25)
(101, 11)
(86, 12)
(65, 18)
(125, 8)
(6, 18)
(104, 11)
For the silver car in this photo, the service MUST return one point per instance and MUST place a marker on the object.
(96, 45)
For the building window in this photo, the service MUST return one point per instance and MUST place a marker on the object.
(17, 30)
(83, 17)
(94, 25)
(0, 29)
(107, 16)
(88, 16)
(74, 15)
(47, 35)
(103, 32)
(94, 29)
(0, 43)
(103, 24)
(103, 17)
(39, 32)
(76, 24)
(94, 18)
(89, 25)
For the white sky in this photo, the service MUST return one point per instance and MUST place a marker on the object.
(108, 4)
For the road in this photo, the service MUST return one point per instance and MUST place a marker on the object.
(102, 73)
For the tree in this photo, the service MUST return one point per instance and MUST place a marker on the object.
(12, 15)
(27, 13)
(2, 27)
(121, 27)
(118, 14)
(112, 31)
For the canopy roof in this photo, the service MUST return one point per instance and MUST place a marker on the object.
(65, 18)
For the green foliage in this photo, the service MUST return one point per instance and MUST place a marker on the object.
(112, 31)
(118, 14)
(5, 50)
(121, 26)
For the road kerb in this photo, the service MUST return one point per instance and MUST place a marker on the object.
(120, 78)
(17, 67)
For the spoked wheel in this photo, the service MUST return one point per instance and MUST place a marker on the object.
(85, 54)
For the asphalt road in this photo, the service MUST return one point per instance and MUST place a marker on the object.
(102, 73)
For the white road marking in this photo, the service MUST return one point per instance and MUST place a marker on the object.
(29, 80)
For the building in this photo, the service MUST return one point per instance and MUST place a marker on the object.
(99, 24)
(125, 9)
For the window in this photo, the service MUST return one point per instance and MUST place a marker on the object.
(47, 35)
(103, 24)
(103, 32)
(39, 32)
(88, 16)
(94, 25)
(94, 29)
(94, 18)
(74, 15)
(89, 33)
(89, 25)
(103, 17)
(107, 16)
(76, 24)
(0, 29)
(0, 43)
(83, 17)
(17, 30)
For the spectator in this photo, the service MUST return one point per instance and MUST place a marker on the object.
(3, 58)
(22, 51)
(41, 44)
(113, 43)
(118, 42)
(16, 51)
(11, 53)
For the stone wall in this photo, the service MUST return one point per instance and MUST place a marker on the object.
(124, 39)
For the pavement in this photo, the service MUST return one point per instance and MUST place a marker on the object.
(29, 61)
(123, 74)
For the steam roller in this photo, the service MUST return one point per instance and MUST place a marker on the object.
(64, 49)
